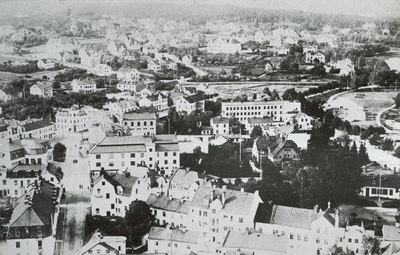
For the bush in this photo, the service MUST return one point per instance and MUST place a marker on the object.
(59, 152)
(363, 202)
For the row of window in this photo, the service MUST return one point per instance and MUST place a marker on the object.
(133, 163)
(133, 155)
(252, 108)
(132, 124)
(17, 231)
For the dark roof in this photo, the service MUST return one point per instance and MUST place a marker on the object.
(284, 144)
(11, 90)
(25, 171)
(195, 98)
(387, 181)
(3, 127)
(55, 170)
(37, 125)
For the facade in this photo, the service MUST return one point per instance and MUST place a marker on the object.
(215, 211)
(159, 101)
(309, 231)
(131, 87)
(381, 185)
(220, 126)
(189, 104)
(40, 129)
(83, 86)
(184, 184)
(10, 94)
(140, 123)
(20, 177)
(71, 120)
(5, 131)
(311, 56)
(278, 150)
(119, 108)
(160, 152)
(127, 74)
(264, 123)
(42, 89)
(112, 193)
(244, 110)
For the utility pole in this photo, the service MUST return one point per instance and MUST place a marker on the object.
(240, 143)
(380, 179)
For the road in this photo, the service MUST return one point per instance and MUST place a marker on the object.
(76, 183)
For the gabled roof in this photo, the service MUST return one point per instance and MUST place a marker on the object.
(139, 116)
(272, 244)
(182, 176)
(126, 182)
(85, 82)
(37, 125)
(256, 121)
(99, 238)
(3, 127)
(195, 98)
(44, 85)
(167, 204)
(220, 120)
(11, 90)
(284, 144)
(126, 69)
(236, 202)
(293, 217)
(391, 233)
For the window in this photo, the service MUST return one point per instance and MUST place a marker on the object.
(175, 245)
(111, 164)
(240, 220)
(174, 153)
(165, 161)
(17, 232)
(298, 237)
(17, 245)
(317, 240)
(132, 163)
(98, 156)
(318, 230)
(282, 233)
(40, 245)
(122, 155)
(98, 251)
(349, 240)
(110, 156)
(356, 240)
(4, 182)
(204, 214)
(15, 183)
(112, 206)
(107, 195)
(291, 236)
(156, 243)
(326, 242)
(90, 251)
(305, 238)
(166, 154)
(274, 232)
(213, 210)
(188, 247)
(132, 155)
(142, 155)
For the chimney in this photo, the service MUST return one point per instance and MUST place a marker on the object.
(212, 194)
(329, 205)
(316, 208)
(256, 193)
(336, 219)
(242, 190)
(187, 169)
(223, 197)
(224, 187)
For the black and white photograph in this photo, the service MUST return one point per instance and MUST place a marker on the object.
(200, 127)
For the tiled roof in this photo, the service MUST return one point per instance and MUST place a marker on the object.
(195, 98)
(176, 235)
(260, 120)
(167, 204)
(8, 146)
(272, 244)
(236, 202)
(119, 148)
(284, 144)
(11, 90)
(126, 182)
(293, 217)
(3, 127)
(126, 69)
(37, 125)
(44, 85)
(167, 147)
(139, 116)
(85, 82)
(25, 171)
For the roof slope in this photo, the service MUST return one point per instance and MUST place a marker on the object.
(293, 217)
(256, 241)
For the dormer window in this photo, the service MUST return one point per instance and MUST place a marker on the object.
(39, 231)
(119, 190)
(17, 232)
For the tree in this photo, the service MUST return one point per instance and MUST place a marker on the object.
(372, 245)
(397, 152)
(138, 219)
(59, 152)
(375, 139)
(397, 100)
(275, 95)
(363, 155)
(256, 132)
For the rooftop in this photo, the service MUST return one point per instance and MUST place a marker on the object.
(167, 204)
(256, 241)
(176, 235)
(139, 116)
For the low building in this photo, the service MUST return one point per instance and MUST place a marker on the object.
(100, 70)
(46, 64)
(184, 184)
(22, 176)
(278, 150)
(140, 123)
(131, 87)
(314, 56)
(42, 89)
(263, 123)
(5, 131)
(40, 129)
(100, 243)
(83, 86)
(188, 104)
(174, 241)
(220, 45)
(158, 101)
(10, 94)
(127, 74)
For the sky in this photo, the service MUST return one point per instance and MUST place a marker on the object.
(369, 8)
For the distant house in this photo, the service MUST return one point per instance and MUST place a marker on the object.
(71, 120)
(42, 89)
(120, 107)
(393, 63)
(187, 59)
(10, 94)
(46, 64)
(100, 70)
(158, 101)
(260, 37)
(140, 123)
(127, 74)
(83, 86)
(312, 56)
(184, 184)
(263, 123)
(131, 87)
(220, 45)
(345, 66)
(154, 65)
(220, 126)
(40, 129)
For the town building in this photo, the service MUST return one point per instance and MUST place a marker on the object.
(42, 89)
(46, 64)
(184, 184)
(10, 94)
(131, 87)
(20, 177)
(71, 119)
(83, 86)
(32, 228)
(159, 101)
(159, 152)
(127, 74)
(167, 210)
(113, 193)
(220, 45)
(188, 104)
(314, 56)
(5, 131)
(40, 129)
(220, 126)
(140, 123)
(100, 70)
(121, 107)
(260, 109)
(264, 123)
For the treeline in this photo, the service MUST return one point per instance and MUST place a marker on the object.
(29, 68)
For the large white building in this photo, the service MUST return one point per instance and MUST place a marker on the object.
(42, 89)
(71, 119)
(83, 86)
(220, 45)
(160, 152)
(260, 109)
(220, 126)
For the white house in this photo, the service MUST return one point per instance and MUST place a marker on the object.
(158, 101)
(311, 56)
(46, 64)
(260, 37)
(83, 86)
(191, 103)
(131, 87)
(100, 70)
(184, 184)
(40, 129)
(154, 65)
(71, 119)
(123, 106)
(113, 193)
(127, 74)
(42, 89)
(220, 45)
(10, 93)
(140, 123)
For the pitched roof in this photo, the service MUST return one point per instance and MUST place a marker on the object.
(284, 144)
(391, 233)
(195, 98)
(98, 238)
(126, 182)
(256, 121)
(256, 241)
(44, 85)
(85, 82)
(37, 125)
(25, 171)
(126, 69)
(167, 204)
(3, 127)
(139, 116)
(176, 235)
(293, 217)
(181, 176)
(11, 90)
(236, 202)
(220, 120)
